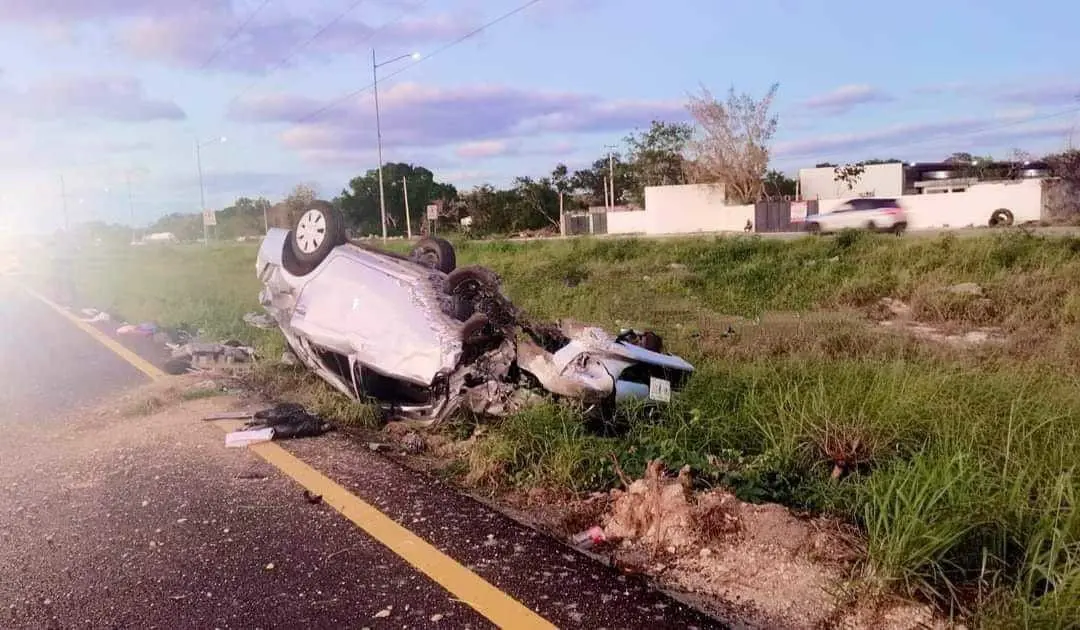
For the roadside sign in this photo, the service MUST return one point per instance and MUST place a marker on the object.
(432, 211)
(209, 217)
(798, 211)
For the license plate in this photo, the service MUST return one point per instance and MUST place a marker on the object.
(660, 390)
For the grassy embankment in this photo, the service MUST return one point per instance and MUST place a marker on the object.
(965, 476)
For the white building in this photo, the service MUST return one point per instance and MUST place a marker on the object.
(877, 180)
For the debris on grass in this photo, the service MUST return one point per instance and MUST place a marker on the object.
(260, 320)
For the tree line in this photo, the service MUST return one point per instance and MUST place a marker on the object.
(727, 143)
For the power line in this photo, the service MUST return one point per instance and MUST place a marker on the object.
(325, 27)
(334, 103)
(947, 134)
(232, 36)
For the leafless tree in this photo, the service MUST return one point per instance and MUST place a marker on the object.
(731, 142)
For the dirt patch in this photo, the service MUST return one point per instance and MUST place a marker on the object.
(897, 315)
(776, 568)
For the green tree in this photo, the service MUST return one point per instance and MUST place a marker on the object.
(243, 218)
(779, 185)
(588, 183)
(360, 201)
(186, 226)
(492, 210)
(656, 156)
(880, 161)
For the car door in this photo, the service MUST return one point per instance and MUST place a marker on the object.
(840, 217)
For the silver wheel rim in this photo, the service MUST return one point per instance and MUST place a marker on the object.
(311, 231)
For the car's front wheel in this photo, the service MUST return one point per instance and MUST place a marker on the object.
(318, 229)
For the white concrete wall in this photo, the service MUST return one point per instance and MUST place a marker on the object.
(878, 180)
(692, 208)
(628, 222)
(971, 207)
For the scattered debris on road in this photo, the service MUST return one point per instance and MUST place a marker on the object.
(280, 422)
(241, 439)
(93, 316)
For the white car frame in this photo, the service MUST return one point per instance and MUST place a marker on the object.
(876, 214)
(425, 339)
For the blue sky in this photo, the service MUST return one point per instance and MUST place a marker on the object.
(101, 91)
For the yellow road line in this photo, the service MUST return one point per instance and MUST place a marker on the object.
(497, 606)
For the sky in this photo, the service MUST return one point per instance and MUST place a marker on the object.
(102, 97)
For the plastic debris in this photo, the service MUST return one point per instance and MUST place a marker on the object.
(92, 315)
(592, 536)
(145, 329)
(260, 320)
(240, 439)
(290, 420)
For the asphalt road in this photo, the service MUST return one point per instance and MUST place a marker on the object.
(114, 520)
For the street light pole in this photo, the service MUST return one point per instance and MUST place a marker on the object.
(378, 129)
(202, 188)
(131, 204)
(63, 197)
(202, 194)
(378, 135)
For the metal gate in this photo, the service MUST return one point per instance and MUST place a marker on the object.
(775, 216)
(580, 222)
(599, 221)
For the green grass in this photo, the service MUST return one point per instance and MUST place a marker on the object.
(962, 463)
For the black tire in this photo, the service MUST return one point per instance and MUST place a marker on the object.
(436, 253)
(1001, 217)
(318, 229)
(813, 227)
(473, 326)
(871, 226)
(466, 282)
(899, 228)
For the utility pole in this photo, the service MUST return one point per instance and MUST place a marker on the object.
(408, 222)
(611, 174)
(63, 197)
(131, 204)
(378, 136)
(378, 128)
(266, 220)
(202, 194)
(562, 216)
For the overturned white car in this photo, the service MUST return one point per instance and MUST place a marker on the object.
(425, 339)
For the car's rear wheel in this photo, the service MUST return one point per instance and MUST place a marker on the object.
(899, 228)
(318, 229)
(813, 227)
(436, 253)
(871, 226)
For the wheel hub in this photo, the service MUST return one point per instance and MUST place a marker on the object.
(311, 231)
